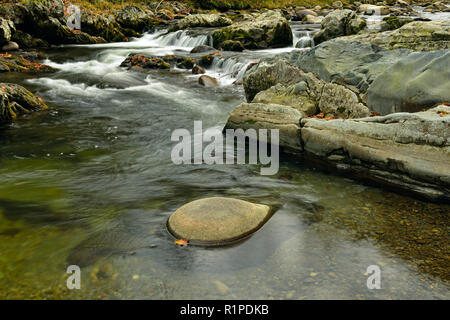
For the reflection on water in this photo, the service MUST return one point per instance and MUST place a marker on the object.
(90, 182)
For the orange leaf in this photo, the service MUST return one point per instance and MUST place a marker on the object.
(181, 242)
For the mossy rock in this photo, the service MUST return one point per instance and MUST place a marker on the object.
(16, 100)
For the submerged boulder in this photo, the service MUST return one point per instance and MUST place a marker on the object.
(339, 23)
(202, 48)
(16, 100)
(217, 221)
(268, 30)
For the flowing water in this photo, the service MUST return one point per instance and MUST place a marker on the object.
(90, 182)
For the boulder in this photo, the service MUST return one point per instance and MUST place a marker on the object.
(27, 41)
(202, 48)
(135, 18)
(196, 69)
(201, 20)
(269, 116)
(104, 26)
(141, 62)
(217, 221)
(370, 9)
(10, 46)
(268, 30)
(231, 45)
(416, 82)
(6, 30)
(56, 33)
(393, 22)
(16, 100)
(297, 96)
(339, 23)
(406, 151)
(348, 63)
(19, 62)
(310, 19)
(417, 36)
(339, 101)
(300, 14)
(208, 81)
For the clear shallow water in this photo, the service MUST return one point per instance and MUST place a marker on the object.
(90, 182)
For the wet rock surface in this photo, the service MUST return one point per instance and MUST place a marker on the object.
(16, 100)
(218, 220)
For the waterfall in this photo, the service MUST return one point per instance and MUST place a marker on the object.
(183, 38)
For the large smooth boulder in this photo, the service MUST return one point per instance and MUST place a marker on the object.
(417, 36)
(269, 116)
(16, 100)
(217, 221)
(339, 23)
(202, 20)
(417, 82)
(268, 30)
(408, 151)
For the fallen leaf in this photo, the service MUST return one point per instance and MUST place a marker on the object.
(181, 242)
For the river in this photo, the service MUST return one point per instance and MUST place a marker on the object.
(91, 182)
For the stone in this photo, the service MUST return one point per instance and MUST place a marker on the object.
(142, 62)
(417, 36)
(208, 81)
(408, 151)
(310, 19)
(268, 30)
(201, 20)
(393, 22)
(269, 116)
(370, 9)
(104, 26)
(135, 18)
(339, 23)
(23, 62)
(6, 30)
(16, 100)
(414, 83)
(196, 69)
(202, 48)
(338, 101)
(300, 14)
(10, 46)
(217, 220)
(232, 45)
(27, 41)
